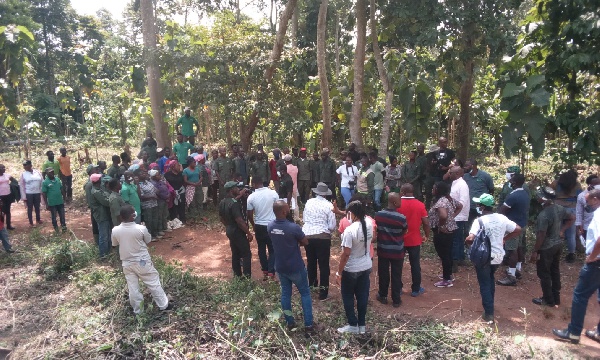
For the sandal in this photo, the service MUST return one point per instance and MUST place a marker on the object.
(593, 334)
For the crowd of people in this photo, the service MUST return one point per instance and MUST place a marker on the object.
(394, 206)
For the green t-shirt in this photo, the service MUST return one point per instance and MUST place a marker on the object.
(53, 191)
(187, 125)
(192, 176)
(130, 195)
(182, 150)
(550, 220)
(53, 164)
(377, 169)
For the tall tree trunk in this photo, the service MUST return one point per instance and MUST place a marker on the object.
(153, 73)
(294, 34)
(359, 73)
(322, 67)
(286, 15)
(466, 91)
(387, 86)
(337, 46)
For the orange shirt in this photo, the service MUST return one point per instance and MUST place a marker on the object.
(65, 165)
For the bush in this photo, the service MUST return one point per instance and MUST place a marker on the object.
(63, 256)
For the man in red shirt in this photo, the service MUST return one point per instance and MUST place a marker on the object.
(416, 215)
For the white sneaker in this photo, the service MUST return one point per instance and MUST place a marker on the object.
(161, 233)
(362, 329)
(154, 239)
(348, 329)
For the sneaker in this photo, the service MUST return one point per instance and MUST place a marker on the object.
(488, 318)
(518, 275)
(169, 307)
(291, 326)
(10, 251)
(441, 277)
(362, 329)
(154, 239)
(311, 330)
(417, 293)
(566, 335)
(570, 258)
(381, 299)
(397, 304)
(159, 236)
(443, 284)
(509, 280)
(348, 329)
(161, 233)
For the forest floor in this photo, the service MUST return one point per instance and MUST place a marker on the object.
(58, 301)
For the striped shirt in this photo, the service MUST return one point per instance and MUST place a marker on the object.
(391, 226)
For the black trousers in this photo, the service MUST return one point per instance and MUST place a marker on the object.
(443, 246)
(383, 267)
(6, 203)
(67, 182)
(33, 200)
(548, 270)
(318, 252)
(241, 257)
(178, 211)
(414, 257)
(214, 188)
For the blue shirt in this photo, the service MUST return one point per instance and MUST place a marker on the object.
(261, 201)
(285, 235)
(192, 176)
(517, 203)
(161, 163)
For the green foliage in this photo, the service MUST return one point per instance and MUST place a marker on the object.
(62, 256)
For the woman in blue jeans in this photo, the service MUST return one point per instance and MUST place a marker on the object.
(355, 268)
(346, 177)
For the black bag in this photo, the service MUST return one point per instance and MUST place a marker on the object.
(481, 250)
(15, 191)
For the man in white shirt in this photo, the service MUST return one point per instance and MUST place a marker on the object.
(260, 214)
(589, 277)
(319, 223)
(459, 192)
(137, 264)
(499, 229)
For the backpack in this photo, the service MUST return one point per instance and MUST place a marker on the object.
(481, 250)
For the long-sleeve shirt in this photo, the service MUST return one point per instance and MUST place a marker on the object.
(115, 202)
(582, 217)
(327, 172)
(99, 204)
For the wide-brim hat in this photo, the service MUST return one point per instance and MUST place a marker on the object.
(322, 189)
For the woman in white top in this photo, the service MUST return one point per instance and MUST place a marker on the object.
(355, 268)
(6, 195)
(346, 177)
(31, 189)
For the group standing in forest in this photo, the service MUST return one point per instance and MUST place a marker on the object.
(378, 203)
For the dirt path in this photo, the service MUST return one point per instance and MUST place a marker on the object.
(205, 249)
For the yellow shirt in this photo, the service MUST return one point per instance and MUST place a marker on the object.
(65, 165)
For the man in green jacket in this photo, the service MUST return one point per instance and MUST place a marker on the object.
(100, 211)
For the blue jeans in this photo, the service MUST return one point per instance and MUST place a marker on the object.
(347, 194)
(587, 285)
(458, 243)
(570, 237)
(356, 285)
(263, 241)
(4, 238)
(60, 209)
(300, 279)
(487, 287)
(104, 241)
(377, 198)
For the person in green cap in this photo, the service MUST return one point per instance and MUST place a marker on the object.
(240, 237)
(185, 125)
(182, 149)
(131, 194)
(53, 197)
(499, 229)
(54, 164)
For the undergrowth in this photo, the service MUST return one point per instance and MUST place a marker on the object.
(86, 314)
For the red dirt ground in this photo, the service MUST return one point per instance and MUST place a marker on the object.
(205, 249)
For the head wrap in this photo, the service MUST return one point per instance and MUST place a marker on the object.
(153, 172)
(153, 166)
(95, 177)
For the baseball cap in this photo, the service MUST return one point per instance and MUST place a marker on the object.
(485, 199)
(90, 168)
(230, 184)
(302, 149)
(95, 177)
